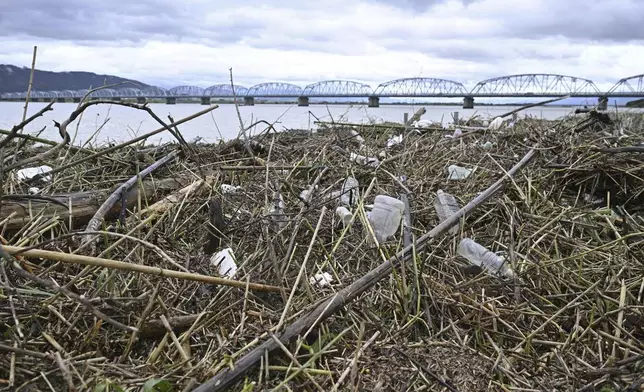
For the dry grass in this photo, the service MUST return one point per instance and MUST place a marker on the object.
(570, 223)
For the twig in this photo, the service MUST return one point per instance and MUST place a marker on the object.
(429, 372)
(308, 321)
(120, 265)
(111, 201)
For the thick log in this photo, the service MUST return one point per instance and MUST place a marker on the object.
(85, 204)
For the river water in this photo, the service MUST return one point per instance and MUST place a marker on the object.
(102, 124)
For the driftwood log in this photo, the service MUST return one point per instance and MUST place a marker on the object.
(85, 204)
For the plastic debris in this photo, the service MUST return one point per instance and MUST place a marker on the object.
(364, 160)
(385, 216)
(458, 172)
(277, 210)
(394, 141)
(479, 255)
(446, 205)
(225, 261)
(227, 189)
(30, 172)
(496, 124)
(321, 280)
(350, 192)
(344, 214)
(33, 190)
(457, 133)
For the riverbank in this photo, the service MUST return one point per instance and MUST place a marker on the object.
(117, 275)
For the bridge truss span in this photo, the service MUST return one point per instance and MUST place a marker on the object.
(630, 86)
(186, 91)
(538, 85)
(337, 88)
(274, 89)
(421, 87)
(225, 90)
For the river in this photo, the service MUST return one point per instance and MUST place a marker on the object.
(102, 124)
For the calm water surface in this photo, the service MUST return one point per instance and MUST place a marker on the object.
(108, 123)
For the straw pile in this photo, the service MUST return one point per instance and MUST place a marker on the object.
(568, 223)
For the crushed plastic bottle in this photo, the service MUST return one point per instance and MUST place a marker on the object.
(385, 216)
(458, 172)
(446, 205)
(321, 280)
(30, 172)
(364, 160)
(350, 192)
(479, 255)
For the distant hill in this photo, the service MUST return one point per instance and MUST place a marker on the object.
(16, 79)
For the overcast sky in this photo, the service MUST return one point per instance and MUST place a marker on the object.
(174, 42)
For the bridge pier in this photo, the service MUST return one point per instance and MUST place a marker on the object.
(468, 103)
(77, 100)
(205, 100)
(302, 101)
(118, 99)
(249, 101)
(141, 100)
(374, 102)
(60, 99)
(170, 101)
(602, 103)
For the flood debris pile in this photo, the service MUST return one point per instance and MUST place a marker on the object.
(285, 241)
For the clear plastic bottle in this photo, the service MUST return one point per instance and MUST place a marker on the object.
(350, 192)
(446, 205)
(479, 255)
(385, 216)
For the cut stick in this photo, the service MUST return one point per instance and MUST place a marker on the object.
(120, 265)
(302, 326)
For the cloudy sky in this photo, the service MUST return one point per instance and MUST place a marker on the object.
(174, 42)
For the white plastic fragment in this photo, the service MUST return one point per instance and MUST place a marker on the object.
(457, 172)
(322, 280)
(277, 210)
(385, 216)
(307, 194)
(33, 190)
(479, 255)
(446, 205)
(344, 214)
(30, 172)
(394, 141)
(364, 160)
(227, 188)
(225, 261)
(357, 137)
(457, 133)
(496, 123)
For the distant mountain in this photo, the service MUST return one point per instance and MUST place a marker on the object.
(16, 79)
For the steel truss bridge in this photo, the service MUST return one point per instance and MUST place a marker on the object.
(522, 85)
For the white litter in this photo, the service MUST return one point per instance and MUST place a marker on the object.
(458, 172)
(457, 133)
(225, 261)
(363, 160)
(30, 172)
(446, 205)
(33, 190)
(322, 280)
(496, 123)
(487, 145)
(350, 192)
(344, 214)
(394, 141)
(385, 217)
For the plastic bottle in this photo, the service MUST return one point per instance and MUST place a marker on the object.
(350, 192)
(479, 255)
(446, 205)
(385, 216)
